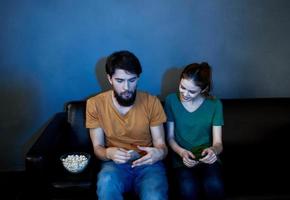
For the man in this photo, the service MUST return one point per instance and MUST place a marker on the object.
(126, 129)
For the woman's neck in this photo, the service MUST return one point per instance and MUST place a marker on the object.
(194, 104)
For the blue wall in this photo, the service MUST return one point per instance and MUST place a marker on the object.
(53, 51)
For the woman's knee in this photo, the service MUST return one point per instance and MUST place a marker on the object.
(188, 190)
(214, 188)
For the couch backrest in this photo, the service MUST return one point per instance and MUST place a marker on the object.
(256, 121)
(255, 137)
(247, 121)
(78, 137)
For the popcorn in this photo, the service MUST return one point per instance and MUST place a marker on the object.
(75, 163)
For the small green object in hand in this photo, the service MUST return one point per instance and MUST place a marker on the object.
(197, 150)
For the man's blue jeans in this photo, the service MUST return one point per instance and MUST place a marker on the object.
(148, 181)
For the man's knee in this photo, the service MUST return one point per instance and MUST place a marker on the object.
(154, 190)
(107, 179)
(109, 186)
(154, 193)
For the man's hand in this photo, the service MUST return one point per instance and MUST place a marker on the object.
(153, 155)
(118, 155)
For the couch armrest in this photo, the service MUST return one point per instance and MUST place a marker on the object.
(46, 146)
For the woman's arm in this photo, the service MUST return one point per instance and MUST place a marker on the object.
(187, 156)
(217, 144)
(170, 138)
(216, 148)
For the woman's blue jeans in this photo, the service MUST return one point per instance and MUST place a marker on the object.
(148, 181)
(203, 181)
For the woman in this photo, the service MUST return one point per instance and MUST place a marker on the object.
(194, 126)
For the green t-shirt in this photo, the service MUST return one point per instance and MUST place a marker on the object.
(192, 129)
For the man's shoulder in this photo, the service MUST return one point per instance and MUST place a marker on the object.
(99, 97)
(145, 96)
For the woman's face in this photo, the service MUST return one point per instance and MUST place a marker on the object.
(188, 90)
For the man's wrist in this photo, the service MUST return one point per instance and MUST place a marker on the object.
(107, 154)
(162, 152)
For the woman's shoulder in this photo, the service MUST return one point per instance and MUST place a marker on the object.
(171, 97)
(214, 100)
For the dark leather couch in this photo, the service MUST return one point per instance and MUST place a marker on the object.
(255, 157)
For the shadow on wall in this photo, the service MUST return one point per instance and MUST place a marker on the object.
(170, 82)
(20, 109)
(101, 77)
(101, 74)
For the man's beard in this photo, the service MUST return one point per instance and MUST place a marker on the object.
(125, 102)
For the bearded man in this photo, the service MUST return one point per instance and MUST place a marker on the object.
(126, 129)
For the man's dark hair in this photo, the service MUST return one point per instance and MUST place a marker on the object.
(124, 60)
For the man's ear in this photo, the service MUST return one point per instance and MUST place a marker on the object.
(109, 79)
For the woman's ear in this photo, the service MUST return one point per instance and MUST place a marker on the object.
(205, 90)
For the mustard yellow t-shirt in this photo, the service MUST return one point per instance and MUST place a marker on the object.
(129, 130)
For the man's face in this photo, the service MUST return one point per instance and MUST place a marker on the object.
(188, 90)
(124, 85)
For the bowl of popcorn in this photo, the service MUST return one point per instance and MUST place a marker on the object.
(75, 162)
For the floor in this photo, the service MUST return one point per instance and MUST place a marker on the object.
(12, 184)
(15, 186)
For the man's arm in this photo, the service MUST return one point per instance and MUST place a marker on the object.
(98, 139)
(118, 155)
(155, 153)
(158, 140)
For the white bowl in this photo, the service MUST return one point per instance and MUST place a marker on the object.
(75, 162)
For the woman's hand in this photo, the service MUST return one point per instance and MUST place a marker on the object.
(209, 156)
(188, 158)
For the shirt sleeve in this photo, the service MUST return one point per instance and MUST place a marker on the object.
(157, 114)
(218, 118)
(168, 110)
(92, 118)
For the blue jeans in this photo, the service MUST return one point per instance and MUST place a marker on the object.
(148, 181)
(201, 181)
